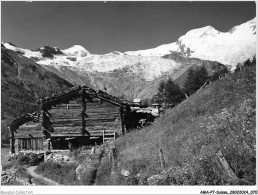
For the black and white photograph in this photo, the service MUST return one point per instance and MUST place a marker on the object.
(128, 97)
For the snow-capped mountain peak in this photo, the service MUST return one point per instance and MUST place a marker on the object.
(245, 29)
(207, 43)
(77, 51)
(202, 32)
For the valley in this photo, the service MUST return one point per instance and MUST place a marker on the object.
(187, 142)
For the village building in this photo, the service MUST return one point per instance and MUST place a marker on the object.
(156, 108)
(137, 101)
(72, 118)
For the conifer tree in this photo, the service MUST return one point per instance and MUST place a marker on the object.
(173, 93)
(160, 97)
(189, 86)
(201, 76)
(195, 79)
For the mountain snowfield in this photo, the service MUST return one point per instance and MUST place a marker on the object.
(207, 43)
(130, 72)
(76, 50)
(79, 59)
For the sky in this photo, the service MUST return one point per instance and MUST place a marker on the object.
(103, 27)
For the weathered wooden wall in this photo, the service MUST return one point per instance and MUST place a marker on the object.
(31, 132)
(66, 118)
(29, 143)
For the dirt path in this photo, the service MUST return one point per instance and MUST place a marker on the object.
(31, 171)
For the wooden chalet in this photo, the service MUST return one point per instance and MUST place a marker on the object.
(78, 116)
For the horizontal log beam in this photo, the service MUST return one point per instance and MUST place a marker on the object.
(30, 127)
(69, 135)
(89, 122)
(68, 120)
(88, 118)
(89, 110)
(92, 131)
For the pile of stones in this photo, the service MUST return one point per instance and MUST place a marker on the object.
(58, 158)
(9, 178)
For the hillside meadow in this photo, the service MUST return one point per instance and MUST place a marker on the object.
(218, 119)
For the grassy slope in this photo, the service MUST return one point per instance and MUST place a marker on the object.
(219, 117)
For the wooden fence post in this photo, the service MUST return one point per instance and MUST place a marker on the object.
(225, 164)
(162, 160)
(48, 143)
(113, 156)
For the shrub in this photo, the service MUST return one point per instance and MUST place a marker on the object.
(7, 166)
(29, 159)
(61, 173)
(88, 177)
(21, 172)
(169, 93)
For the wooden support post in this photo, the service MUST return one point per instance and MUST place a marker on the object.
(121, 110)
(103, 136)
(70, 144)
(83, 104)
(48, 144)
(25, 144)
(32, 144)
(22, 144)
(12, 140)
(41, 143)
(36, 144)
(29, 139)
(19, 145)
(127, 119)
